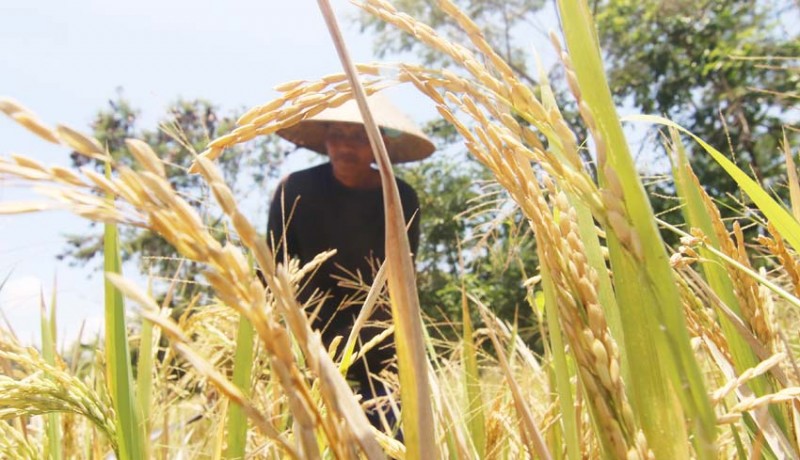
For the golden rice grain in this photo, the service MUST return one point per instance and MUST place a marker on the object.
(29, 121)
(100, 181)
(66, 176)
(16, 170)
(81, 143)
(28, 163)
(289, 85)
(10, 106)
(22, 207)
(146, 156)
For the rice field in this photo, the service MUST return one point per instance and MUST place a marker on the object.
(650, 351)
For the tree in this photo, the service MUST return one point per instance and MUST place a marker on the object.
(697, 63)
(184, 131)
(710, 66)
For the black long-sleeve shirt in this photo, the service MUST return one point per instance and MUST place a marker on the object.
(323, 214)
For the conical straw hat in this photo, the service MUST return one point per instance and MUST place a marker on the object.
(404, 140)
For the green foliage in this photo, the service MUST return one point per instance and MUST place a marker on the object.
(712, 67)
(119, 374)
(242, 370)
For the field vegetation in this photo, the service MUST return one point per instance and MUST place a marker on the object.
(647, 335)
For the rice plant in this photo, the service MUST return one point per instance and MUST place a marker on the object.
(650, 351)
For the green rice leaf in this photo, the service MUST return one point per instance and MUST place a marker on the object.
(49, 355)
(651, 312)
(144, 373)
(697, 216)
(563, 376)
(787, 226)
(119, 375)
(242, 370)
(476, 419)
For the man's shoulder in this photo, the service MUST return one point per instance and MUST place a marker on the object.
(405, 189)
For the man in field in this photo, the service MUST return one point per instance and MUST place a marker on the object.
(339, 205)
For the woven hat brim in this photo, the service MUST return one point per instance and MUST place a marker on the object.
(405, 142)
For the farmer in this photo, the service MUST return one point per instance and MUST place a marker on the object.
(339, 205)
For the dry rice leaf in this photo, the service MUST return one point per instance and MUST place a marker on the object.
(21, 207)
(81, 143)
(794, 183)
(35, 126)
(528, 429)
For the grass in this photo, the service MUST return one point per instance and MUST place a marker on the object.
(651, 352)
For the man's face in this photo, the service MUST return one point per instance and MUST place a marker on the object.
(348, 145)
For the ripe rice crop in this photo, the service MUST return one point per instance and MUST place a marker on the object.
(650, 351)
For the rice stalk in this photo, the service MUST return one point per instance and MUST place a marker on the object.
(764, 281)
(367, 308)
(119, 374)
(737, 290)
(49, 353)
(579, 294)
(243, 363)
(530, 432)
(182, 345)
(561, 370)
(338, 397)
(475, 405)
(510, 166)
(749, 374)
(784, 222)
(418, 423)
(742, 294)
(150, 195)
(144, 375)
(641, 268)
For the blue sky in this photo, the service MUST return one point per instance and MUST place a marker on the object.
(65, 60)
